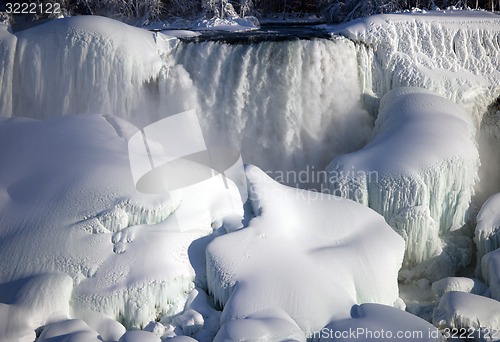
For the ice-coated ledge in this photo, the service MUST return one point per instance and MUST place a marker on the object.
(487, 235)
(453, 53)
(418, 171)
(490, 265)
(309, 254)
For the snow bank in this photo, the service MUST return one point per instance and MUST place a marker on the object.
(418, 171)
(375, 322)
(478, 316)
(454, 54)
(68, 204)
(309, 254)
(491, 272)
(487, 234)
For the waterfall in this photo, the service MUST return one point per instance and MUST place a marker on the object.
(289, 105)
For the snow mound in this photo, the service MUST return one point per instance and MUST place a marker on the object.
(487, 235)
(68, 204)
(28, 303)
(267, 325)
(453, 54)
(74, 330)
(308, 254)
(491, 272)
(418, 171)
(460, 284)
(478, 316)
(375, 322)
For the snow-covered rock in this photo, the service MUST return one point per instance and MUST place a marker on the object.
(266, 325)
(490, 265)
(375, 322)
(418, 171)
(309, 254)
(139, 336)
(68, 330)
(477, 316)
(68, 204)
(454, 54)
(461, 284)
(487, 235)
(31, 302)
(82, 64)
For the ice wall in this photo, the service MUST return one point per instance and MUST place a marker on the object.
(419, 172)
(453, 53)
(487, 235)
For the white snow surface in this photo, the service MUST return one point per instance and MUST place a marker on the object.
(418, 171)
(77, 239)
(453, 53)
(487, 234)
(308, 254)
(376, 322)
(461, 284)
(479, 315)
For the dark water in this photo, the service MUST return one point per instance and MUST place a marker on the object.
(270, 32)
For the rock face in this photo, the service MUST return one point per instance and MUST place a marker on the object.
(418, 171)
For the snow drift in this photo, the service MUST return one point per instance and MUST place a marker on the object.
(419, 172)
(316, 261)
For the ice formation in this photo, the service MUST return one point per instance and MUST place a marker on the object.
(487, 235)
(454, 54)
(324, 255)
(69, 205)
(478, 316)
(376, 322)
(419, 172)
(491, 272)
